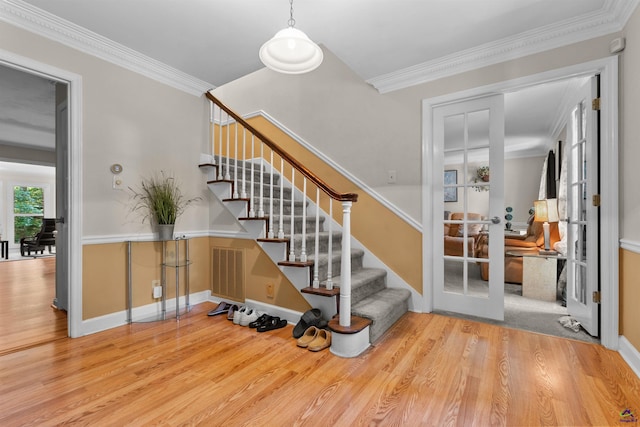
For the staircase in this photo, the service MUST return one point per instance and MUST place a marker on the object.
(298, 235)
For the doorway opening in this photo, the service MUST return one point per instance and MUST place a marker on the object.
(607, 276)
(26, 143)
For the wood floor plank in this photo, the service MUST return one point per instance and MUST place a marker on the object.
(427, 370)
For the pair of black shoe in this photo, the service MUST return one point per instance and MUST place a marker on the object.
(266, 323)
(310, 318)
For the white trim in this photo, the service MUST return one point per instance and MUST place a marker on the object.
(74, 266)
(608, 70)
(150, 237)
(630, 354)
(610, 19)
(119, 318)
(630, 245)
(45, 24)
(334, 165)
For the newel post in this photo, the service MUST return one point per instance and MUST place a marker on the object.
(345, 267)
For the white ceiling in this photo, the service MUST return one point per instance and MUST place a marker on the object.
(217, 41)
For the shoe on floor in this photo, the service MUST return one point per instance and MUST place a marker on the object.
(309, 335)
(250, 316)
(260, 321)
(310, 318)
(322, 341)
(239, 314)
(223, 307)
(232, 312)
(273, 323)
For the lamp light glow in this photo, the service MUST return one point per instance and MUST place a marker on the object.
(546, 211)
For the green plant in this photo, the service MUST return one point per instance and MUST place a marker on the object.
(159, 199)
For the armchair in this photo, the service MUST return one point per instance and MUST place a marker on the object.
(454, 238)
(532, 241)
(45, 238)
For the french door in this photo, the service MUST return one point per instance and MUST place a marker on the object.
(582, 211)
(468, 235)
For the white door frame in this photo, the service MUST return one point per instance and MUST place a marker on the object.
(74, 186)
(609, 234)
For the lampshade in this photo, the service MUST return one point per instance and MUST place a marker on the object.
(546, 210)
(290, 51)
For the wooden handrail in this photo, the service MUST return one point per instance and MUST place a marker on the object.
(350, 197)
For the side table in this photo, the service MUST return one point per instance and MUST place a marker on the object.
(4, 244)
(175, 263)
(539, 274)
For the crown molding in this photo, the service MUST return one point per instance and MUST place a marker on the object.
(610, 19)
(35, 20)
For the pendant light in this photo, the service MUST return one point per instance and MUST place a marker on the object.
(290, 51)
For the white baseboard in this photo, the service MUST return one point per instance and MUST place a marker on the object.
(630, 354)
(113, 320)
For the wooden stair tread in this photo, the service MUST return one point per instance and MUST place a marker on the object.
(322, 291)
(357, 324)
(272, 240)
(296, 263)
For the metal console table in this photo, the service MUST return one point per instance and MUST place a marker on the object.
(173, 262)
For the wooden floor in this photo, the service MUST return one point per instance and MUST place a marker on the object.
(427, 370)
(27, 289)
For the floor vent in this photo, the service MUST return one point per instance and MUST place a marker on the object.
(228, 273)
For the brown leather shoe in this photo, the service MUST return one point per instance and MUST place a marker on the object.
(309, 335)
(322, 340)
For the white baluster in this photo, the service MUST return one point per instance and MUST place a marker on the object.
(316, 281)
(270, 234)
(261, 203)
(244, 163)
(212, 131)
(227, 171)
(235, 174)
(329, 282)
(303, 249)
(345, 272)
(292, 252)
(220, 150)
(281, 218)
(252, 212)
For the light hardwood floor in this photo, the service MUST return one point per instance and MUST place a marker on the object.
(27, 289)
(427, 370)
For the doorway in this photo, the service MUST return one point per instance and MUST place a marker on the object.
(607, 68)
(69, 238)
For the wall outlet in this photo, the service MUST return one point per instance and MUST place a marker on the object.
(157, 288)
(270, 290)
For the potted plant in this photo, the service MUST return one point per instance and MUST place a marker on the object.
(160, 201)
(483, 173)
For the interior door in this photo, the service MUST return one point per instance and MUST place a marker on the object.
(468, 207)
(61, 299)
(582, 212)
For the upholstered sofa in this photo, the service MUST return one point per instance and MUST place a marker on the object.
(532, 241)
(454, 236)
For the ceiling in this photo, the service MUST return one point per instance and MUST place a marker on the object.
(217, 41)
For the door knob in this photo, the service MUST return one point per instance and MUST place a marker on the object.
(495, 220)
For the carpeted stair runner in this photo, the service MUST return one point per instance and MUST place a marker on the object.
(370, 296)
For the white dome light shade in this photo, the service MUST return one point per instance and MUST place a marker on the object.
(290, 51)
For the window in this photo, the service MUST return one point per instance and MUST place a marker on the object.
(28, 211)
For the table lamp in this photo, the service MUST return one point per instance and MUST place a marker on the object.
(546, 211)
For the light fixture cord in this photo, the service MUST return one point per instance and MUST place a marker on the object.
(292, 22)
